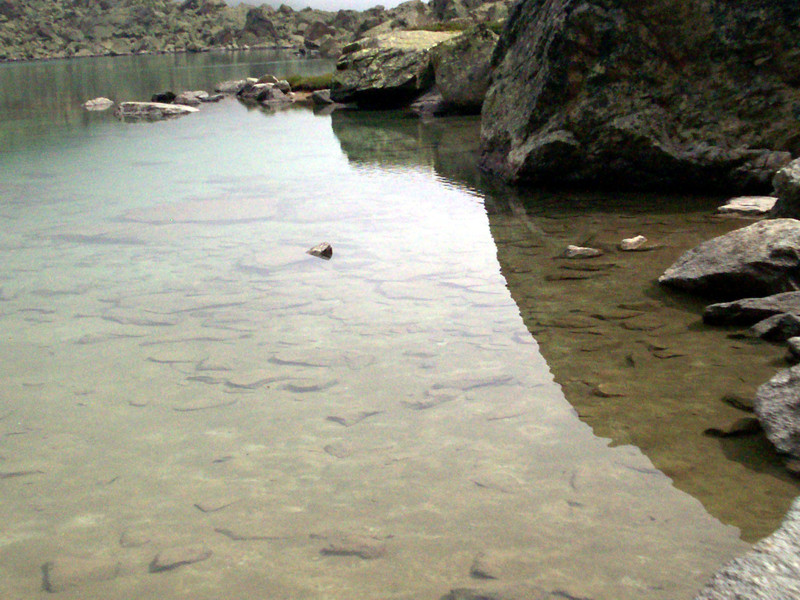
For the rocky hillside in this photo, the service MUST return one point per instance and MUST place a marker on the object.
(36, 29)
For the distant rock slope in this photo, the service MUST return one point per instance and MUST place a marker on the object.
(698, 94)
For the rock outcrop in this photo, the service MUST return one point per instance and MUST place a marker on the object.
(758, 260)
(627, 94)
(462, 69)
(387, 70)
(771, 570)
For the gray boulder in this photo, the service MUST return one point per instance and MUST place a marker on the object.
(751, 310)
(777, 406)
(622, 93)
(787, 188)
(386, 71)
(462, 68)
(758, 260)
(191, 98)
(151, 111)
(263, 93)
(770, 571)
(233, 86)
(777, 328)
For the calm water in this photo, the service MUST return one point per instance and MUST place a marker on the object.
(182, 382)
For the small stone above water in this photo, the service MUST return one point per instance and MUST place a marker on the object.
(98, 104)
(151, 111)
(174, 558)
(581, 252)
(748, 205)
(323, 250)
(634, 243)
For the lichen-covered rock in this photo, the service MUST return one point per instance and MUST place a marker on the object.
(770, 571)
(787, 188)
(462, 68)
(758, 260)
(386, 71)
(624, 93)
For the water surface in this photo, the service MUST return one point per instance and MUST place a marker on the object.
(182, 380)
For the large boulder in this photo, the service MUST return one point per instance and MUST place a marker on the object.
(758, 260)
(777, 406)
(787, 188)
(752, 310)
(697, 94)
(770, 571)
(462, 68)
(386, 71)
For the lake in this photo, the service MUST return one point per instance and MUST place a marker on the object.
(193, 407)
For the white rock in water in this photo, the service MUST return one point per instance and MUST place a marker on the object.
(98, 104)
(323, 250)
(581, 252)
(748, 205)
(150, 111)
(633, 243)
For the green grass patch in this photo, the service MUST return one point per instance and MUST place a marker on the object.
(309, 83)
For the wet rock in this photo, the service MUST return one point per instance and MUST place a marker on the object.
(151, 111)
(751, 310)
(364, 547)
(386, 71)
(462, 68)
(777, 406)
(66, 573)
(263, 93)
(758, 260)
(174, 558)
(634, 243)
(321, 98)
(771, 570)
(777, 328)
(323, 250)
(787, 188)
(581, 252)
(749, 206)
(232, 86)
(739, 428)
(583, 93)
(191, 98)
(98, 104)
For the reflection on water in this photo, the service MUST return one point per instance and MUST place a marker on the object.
(193, 407)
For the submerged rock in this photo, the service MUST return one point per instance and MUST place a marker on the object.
(386, 71)
(751, 310)
(777, 406)
(758, 260)
(151, 111)
(771, 570)
(66, 573)
(626, 94)
(174, 558)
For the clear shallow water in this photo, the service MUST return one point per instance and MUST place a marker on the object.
(181, 379)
